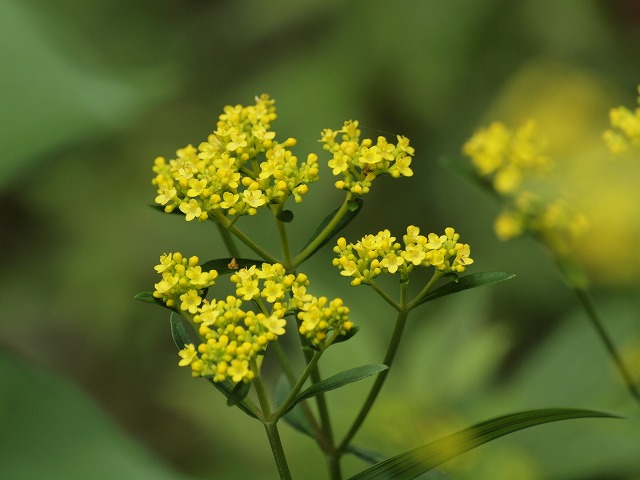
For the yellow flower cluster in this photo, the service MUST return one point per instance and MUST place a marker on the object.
(183, 281)
(505, 156)
(240, 167)
(360, 162)
(509, 158)
(624, 135)
(557, 223)
(232, 333)
(319, 316)
(375, 254)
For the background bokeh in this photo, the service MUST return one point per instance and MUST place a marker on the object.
(91, 92)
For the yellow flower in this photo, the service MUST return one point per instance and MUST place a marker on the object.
(508, 225)
(273, 291)
(191, 209)
(274, 324)
(254, 198)
(414, 254)
(238, 370)
(165, 195)
(190, 301)
(392, 262)
(188, 354)
(624, 135)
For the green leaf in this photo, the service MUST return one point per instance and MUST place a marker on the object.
(285, 216)
(465, 283)
(354, 207)
(178, 332)
(350, 334)
(148, 297)
(368, 456)
(338, 380)
(225, 266)
(355, 204)
(417, 461)
(238, 394)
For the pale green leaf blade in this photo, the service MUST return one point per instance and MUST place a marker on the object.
(147, 297)
(467, 282)
(178, 331)
(339, 380)
(417, 461)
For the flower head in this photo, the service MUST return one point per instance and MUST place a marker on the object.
(375, 254)
(624, 135)
(221, 175)
(359, 162)
(231, 331)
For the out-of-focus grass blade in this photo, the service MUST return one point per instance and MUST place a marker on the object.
(419, 460)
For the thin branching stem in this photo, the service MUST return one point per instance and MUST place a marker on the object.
(392, 349)
(594, 318)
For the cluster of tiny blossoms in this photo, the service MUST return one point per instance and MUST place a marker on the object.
(508, 159)
(233, 331)
(505, 156)
(624, 135)
(556, 222)
(240, 167)
(375, 254)
(360, 162)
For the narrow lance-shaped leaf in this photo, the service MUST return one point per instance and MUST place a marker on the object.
(420, 460)
(354, 208)
(238, 393)
(178, 331)
(147, 297)
(338, 380)
(467, 282)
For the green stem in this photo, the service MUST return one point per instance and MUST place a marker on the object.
(323, 410)
(277, 450)
(414, 303)
(284, 240)
(288, 372)
(228, 241)
(589, 308)
(385, 296)
(311, 366)
(226, 224)
(392, 349)
(270, 425)
(322, 236)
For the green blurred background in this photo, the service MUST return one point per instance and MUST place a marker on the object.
(93, 91)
